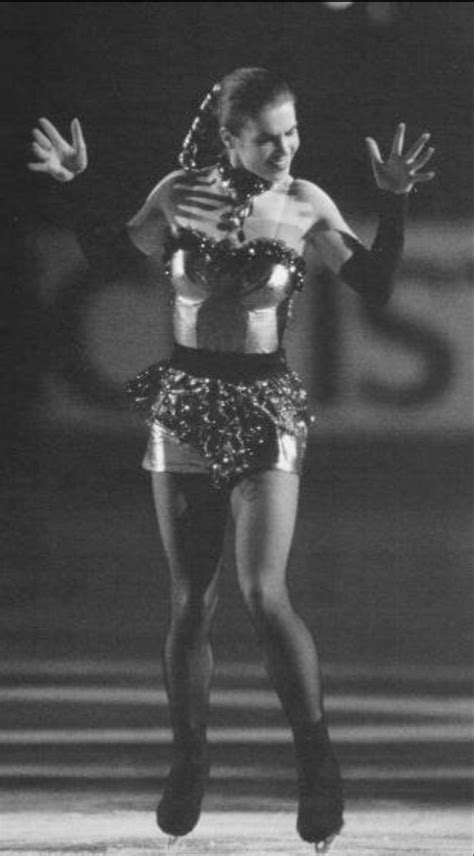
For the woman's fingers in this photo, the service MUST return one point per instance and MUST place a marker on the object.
(423, 176)
(398, 140)
(38, 167)
(78, 141)
(41, 152)
(373, 150)
(77, 135)
(399, 172)
(55, 155)
(417, 147)
(420, 162)
(52, 133)
(42, 139)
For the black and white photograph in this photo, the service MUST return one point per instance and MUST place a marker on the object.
(237, 431)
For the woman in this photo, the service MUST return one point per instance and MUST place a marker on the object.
(228, 418)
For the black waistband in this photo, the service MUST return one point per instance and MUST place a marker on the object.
(227, 366)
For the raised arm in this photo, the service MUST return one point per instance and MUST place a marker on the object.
(110, 249)
(370, 272)
(57, 157)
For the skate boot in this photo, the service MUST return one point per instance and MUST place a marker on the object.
(180, 806)
(319, 787)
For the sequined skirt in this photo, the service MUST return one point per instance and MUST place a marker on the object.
(224, 413)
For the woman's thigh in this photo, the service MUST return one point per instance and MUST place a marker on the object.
(264, 508)
(192, 521)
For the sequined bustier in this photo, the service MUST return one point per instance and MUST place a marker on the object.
(231, 298)
(226, 390)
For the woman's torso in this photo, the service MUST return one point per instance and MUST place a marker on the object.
(234, 278)
(233, 281)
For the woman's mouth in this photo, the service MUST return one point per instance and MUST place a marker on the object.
(282, 164)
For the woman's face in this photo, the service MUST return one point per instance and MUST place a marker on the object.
(267, 143)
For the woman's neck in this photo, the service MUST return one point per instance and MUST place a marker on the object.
(244, 184)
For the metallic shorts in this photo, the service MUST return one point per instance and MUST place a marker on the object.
(223, 413)
(165, 453)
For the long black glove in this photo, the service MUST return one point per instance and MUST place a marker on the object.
(371, 273)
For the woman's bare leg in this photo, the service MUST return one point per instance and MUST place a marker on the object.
(264, 508)
(192, 521)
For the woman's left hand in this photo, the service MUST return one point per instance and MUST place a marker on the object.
(400, 172)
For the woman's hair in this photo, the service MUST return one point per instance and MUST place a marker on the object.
(238, 97)
(244, 92)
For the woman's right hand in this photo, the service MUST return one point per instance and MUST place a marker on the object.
(55, 156)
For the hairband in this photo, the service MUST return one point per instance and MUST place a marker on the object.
(188, 157)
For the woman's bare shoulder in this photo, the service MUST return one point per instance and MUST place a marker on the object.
(311, 194)
(165, 186)
(177, 182)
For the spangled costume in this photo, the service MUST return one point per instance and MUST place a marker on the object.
(226, 402)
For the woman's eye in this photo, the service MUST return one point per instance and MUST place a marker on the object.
(267, 141)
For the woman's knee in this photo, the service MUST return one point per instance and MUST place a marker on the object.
(193, 611)
(265, 599)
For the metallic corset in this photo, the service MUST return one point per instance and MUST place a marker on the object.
(227, 392)
(231, 298)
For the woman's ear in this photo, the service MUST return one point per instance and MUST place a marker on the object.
(226, 137)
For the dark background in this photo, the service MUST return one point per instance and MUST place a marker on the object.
(385, 520)
(134, 73)
(381, 567)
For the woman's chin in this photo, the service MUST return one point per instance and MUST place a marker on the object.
(273, 173)
(277, 172)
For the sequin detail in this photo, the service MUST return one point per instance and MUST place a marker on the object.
(226, 258)
(239, 182)
(232, 425)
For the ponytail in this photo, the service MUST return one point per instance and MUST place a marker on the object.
(202, 134)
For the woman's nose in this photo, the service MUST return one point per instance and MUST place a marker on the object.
(283, 146)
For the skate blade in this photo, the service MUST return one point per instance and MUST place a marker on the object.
(173, 842)
(323, 846)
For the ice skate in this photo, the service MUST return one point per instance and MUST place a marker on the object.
(323, 846)
(180, 806)
(319, 786)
